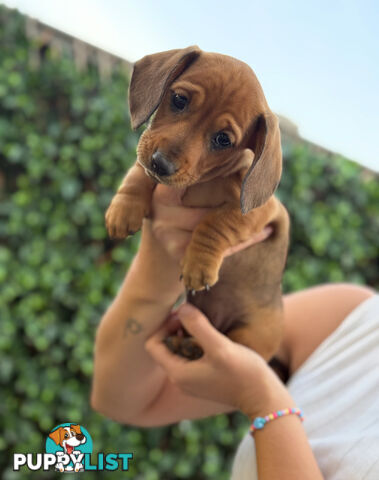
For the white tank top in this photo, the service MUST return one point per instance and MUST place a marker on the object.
(337, 388)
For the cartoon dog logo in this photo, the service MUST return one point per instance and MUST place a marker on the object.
(68, 437)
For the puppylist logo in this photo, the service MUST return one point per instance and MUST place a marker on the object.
(69, 449)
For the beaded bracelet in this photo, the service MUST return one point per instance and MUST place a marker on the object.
(260, 422)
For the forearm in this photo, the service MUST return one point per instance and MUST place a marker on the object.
(126, 379)
(282, 448)
(283, 451)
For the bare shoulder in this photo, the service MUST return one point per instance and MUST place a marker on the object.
(312, 315)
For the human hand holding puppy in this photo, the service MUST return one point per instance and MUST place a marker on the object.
(227, 372)
(232, 374)
(165, 236)
(174, 223)
(251, 385)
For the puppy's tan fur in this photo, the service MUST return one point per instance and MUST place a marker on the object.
(224, 95)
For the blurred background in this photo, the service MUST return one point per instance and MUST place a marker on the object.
(65, 144)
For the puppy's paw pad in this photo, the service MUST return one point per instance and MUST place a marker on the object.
(190, 349)
(173, 343)
(186, 347)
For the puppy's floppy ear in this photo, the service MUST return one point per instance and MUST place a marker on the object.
(150, 78)
(75, 427)
(264, 174)
(56, 435)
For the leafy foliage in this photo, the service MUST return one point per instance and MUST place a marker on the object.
(333, 205)
(65, 143)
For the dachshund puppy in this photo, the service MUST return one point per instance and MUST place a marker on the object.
(213, 136)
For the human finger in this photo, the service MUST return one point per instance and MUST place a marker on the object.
(198, 325)
(256, 238)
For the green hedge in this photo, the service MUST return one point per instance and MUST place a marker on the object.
(65, 143)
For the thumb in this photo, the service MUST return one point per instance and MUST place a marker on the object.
(199, 326)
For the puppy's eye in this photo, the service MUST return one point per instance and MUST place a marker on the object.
(221, 140)
(178, 102)
(66, 435)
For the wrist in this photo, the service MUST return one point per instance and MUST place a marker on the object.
(152, 282)
(260, 422)
(267, 394)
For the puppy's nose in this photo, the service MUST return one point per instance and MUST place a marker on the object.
(160, 165)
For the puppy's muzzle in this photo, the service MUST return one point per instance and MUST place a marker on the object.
(161, 166)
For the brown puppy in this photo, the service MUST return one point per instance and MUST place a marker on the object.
(214, 136)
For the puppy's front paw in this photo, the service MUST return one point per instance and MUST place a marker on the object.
(199, 272)
(184, 346)
(124, 215)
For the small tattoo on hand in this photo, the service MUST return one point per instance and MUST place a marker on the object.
(132, 326)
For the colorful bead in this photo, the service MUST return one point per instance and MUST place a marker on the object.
(260, 422)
